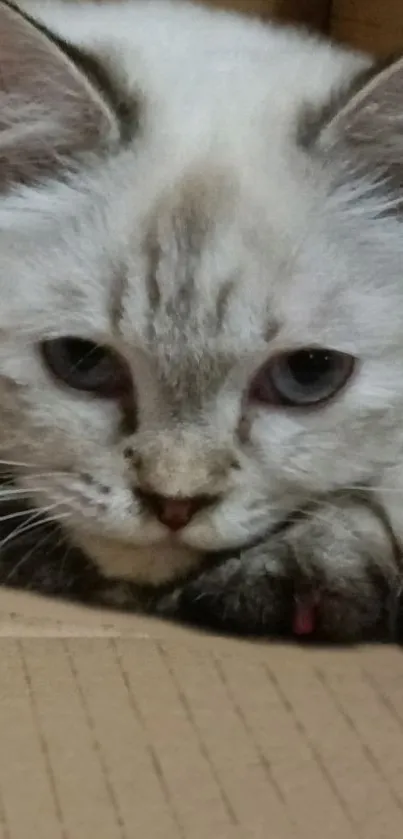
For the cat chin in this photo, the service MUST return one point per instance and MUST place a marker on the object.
(154, 564)
(226, 536)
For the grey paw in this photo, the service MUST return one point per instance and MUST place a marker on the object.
(230, 600)
(257, 596)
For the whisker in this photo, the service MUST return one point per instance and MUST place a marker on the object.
(28, 526)
(19, 463)
(11, 493)
(16, 515)
(49, 473)
(20, 564)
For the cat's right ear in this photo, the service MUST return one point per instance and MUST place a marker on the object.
(367, 129)
(51, 112)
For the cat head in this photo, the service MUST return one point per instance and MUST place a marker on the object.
(200, 250)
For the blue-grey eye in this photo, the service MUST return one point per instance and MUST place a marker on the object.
(87, 366)
(301, 378)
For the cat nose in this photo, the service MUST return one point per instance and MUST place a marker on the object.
(174, 513)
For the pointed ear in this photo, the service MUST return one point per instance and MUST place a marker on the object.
(369, 127)
(50, 112)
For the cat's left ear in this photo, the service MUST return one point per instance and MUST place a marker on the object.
(368, 128)
(52, 107)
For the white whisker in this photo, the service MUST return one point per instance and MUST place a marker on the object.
(26, 556)
(28, 525)
(19, 463)
(17, 491)
(19, 514)
(11, 492)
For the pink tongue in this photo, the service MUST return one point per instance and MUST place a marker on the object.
(304, 618)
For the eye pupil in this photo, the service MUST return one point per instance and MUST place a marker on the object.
(84, 355)
(87, 366)
(308, 366)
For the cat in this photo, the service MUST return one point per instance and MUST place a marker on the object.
(201, 326)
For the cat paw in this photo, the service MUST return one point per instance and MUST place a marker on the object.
(235, 599)
(268, 594)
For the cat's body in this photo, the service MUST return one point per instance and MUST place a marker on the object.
(209, 199)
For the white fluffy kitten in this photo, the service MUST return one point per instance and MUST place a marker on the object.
(201, 325)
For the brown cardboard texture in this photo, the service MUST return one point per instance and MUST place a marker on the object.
(118, 727)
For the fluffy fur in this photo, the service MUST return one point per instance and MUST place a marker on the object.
(217, 193)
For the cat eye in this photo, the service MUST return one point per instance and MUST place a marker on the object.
(299, 379)
(87, 366)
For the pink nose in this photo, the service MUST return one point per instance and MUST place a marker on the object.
(174, 513)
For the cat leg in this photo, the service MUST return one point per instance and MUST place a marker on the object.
(331, 575)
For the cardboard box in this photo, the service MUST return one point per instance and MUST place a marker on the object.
(117, 727)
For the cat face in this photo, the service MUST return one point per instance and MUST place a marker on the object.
(201, 327)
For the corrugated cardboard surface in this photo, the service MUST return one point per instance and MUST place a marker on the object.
(115, 727)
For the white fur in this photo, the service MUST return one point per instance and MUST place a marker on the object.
(221, 99)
